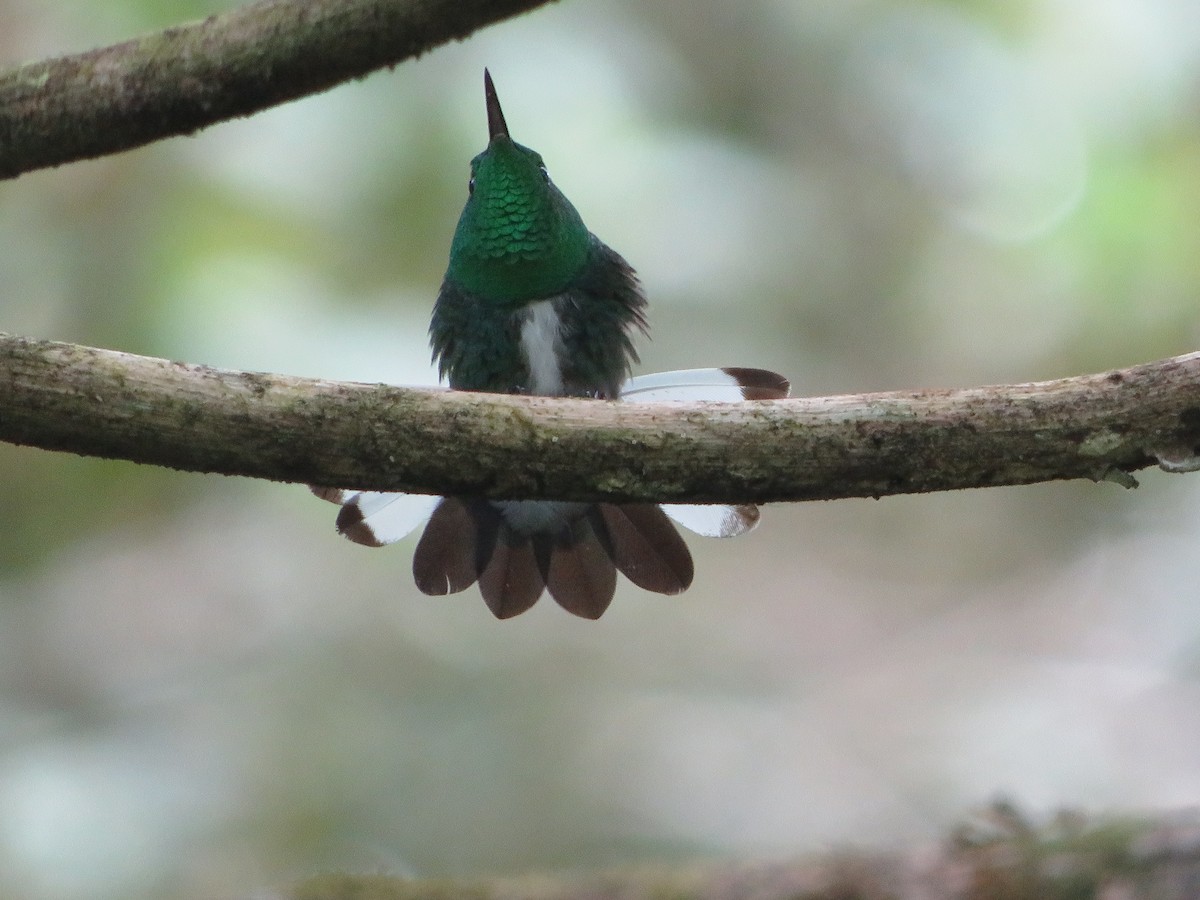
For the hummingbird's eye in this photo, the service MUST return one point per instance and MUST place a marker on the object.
(545, 174)
(471, 186)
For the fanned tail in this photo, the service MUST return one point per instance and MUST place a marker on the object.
(468, 541)
(518, 550)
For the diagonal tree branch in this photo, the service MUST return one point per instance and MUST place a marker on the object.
(185, 78)
(104, 403)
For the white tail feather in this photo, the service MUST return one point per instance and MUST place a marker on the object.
(729, 385)
(713, 520)
(390, 517)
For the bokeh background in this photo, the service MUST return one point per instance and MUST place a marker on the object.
(205, 692)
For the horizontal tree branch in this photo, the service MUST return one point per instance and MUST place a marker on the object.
(104, 403)
(185, 78)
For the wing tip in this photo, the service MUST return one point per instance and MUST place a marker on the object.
(714, 520)
(333, 495)
(759, 384)
(351, 524)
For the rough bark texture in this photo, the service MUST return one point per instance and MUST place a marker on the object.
(182, 79)
(104, 403)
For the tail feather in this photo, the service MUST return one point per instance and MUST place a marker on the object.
(455, 540)
(647, 548)
(581, 575)
(511, 581)
(374, 518)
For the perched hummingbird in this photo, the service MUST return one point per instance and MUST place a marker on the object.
(534, 303)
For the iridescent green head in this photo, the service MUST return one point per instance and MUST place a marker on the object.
(518, 239)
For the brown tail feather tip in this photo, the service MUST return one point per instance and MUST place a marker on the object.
(333, 495)
(467, 542)
(759, 384)
(581, 576)
(647, 548)
(350, 523)
(512, 581)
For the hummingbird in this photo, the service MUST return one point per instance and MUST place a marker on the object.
(533, 303)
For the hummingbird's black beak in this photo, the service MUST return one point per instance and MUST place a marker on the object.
(497, 127)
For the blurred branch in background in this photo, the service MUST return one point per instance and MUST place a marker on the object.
(182, 79)
(104, 403)
(1001, 857)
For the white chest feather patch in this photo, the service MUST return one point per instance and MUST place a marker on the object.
(542, 347)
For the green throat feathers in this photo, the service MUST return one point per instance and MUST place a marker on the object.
(518, 238)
